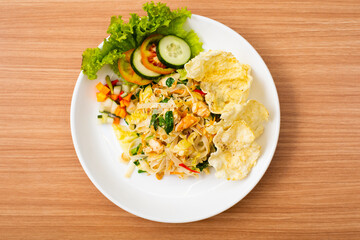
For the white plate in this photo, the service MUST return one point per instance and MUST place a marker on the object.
(172, 199)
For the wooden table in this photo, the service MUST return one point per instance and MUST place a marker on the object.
(312, 187)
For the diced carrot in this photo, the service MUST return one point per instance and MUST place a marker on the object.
(100, 96)
(122, 103)
(99, 86)
(105, 90)
(122, 113)
(114, 97)
(116, 121)
(128, 97)
(117, 111)
(126, 103)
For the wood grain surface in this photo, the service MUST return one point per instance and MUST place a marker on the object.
(312, 187)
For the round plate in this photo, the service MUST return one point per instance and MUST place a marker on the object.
(172, 199)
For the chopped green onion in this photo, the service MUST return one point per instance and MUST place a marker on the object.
(183, 81)
(134, 151)
(165, 100)
(203, 165)
(141, 171)
(149, 137)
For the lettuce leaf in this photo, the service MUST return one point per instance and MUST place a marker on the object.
(126, 36)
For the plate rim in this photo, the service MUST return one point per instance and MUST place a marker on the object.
(193, 219)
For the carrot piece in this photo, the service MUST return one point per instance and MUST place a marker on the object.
(114, 97)
(99, 86)
(116, 121)
(122, 103)
(128, 97)
(117, 111)
(100, 96)
(105, 90)
(122, 113)
(126, 103)
(102, 88)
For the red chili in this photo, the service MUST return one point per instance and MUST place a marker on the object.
(186, 167)
(199, 91)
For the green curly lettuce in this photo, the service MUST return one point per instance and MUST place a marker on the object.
(125, 36)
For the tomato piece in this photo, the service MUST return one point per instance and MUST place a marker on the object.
(114, 82)
(128, 73)
(128, 54)
(149, 57)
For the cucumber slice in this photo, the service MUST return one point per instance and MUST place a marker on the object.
(117, 90)
(101, 108)
(173, 51)
(126, 88)
(113, 107)
(104, 117)
(139, 68)
(124, 94)
(110, 120)
(107, 105)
